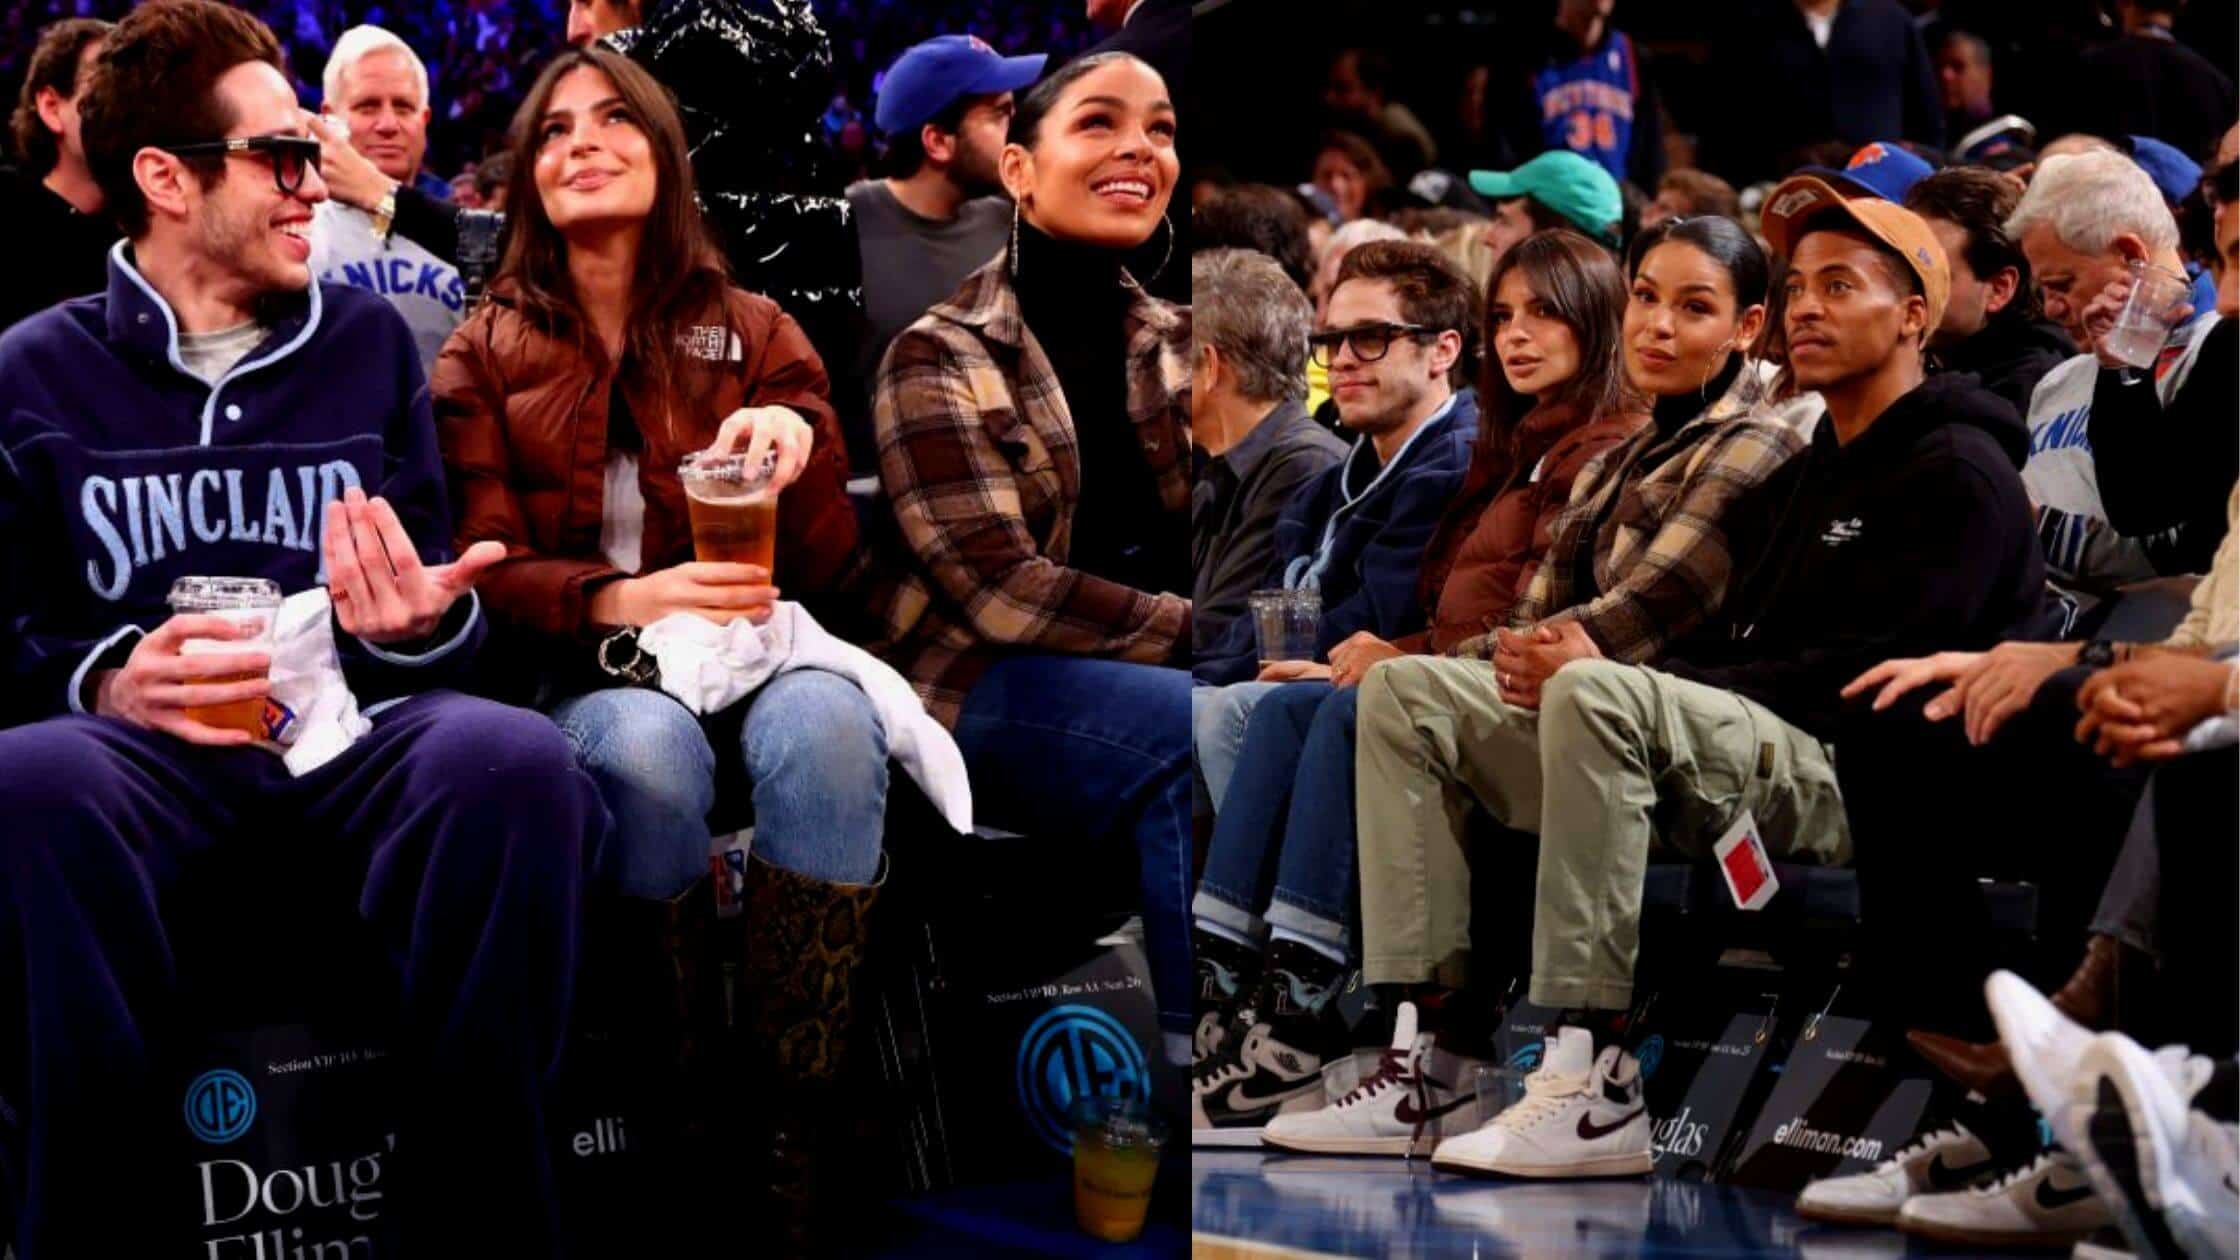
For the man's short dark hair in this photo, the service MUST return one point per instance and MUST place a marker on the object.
(1978, 202)
(906, 152)
(1257, 217)
(54, 64)
(491, 174)
(1433, 291)
(1544, 219)
(155, 83)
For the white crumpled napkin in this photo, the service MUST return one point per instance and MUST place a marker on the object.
(316, 716)
(710, 667)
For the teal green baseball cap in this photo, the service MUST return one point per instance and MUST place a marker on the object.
(1564, 182)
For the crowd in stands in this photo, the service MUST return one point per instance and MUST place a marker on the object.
(482, 54)
(454, 535)
(1795, 506)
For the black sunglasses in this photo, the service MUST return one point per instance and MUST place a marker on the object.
(1370, 342)
(290, 155)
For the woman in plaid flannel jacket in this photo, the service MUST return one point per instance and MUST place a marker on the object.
(1034, 449)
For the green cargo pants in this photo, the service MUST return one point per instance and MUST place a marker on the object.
(1619, 762)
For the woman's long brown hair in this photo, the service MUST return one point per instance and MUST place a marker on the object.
(681, 274)
(1583, 287)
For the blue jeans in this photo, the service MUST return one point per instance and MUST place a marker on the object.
(814, 751)
(1217, 723)
(1057, 745)
(1283, 852)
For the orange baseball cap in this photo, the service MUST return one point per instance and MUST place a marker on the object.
(1793, 207)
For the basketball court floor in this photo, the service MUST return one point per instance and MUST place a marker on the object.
(1249, 1205)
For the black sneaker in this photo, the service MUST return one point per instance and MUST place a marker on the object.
(1270, 1057)
(1235, 1094)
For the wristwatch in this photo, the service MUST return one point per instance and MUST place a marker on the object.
(2098, 654)
(385, 214)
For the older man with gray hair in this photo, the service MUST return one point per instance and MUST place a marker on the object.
(1248, 414)
(2122, 492)
(377, 92)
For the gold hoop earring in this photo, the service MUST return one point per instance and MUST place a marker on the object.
(1704, 390)
(1167, 221)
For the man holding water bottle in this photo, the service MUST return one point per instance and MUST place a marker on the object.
(216, 414)
(2122, 500)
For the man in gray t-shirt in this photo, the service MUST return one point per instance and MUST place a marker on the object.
(944, 106)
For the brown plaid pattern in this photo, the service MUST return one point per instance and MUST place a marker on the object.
(1659, 550)
(979, 462)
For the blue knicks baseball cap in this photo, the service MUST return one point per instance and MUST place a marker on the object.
(929, 77)
(1881, 168)
(2173, 173)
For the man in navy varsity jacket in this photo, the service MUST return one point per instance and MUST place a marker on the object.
(216, 413)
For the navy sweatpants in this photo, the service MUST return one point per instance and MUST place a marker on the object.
(464, 830)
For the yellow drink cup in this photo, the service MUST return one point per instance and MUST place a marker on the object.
(1116, 1146)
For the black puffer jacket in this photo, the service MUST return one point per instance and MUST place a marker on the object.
(751, 78)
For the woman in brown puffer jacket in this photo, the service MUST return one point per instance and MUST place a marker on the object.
(612, 347)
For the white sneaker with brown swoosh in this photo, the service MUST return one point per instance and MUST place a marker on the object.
(1403, 1105)
(1582, 1115)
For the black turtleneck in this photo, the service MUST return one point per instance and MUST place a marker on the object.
(1674, 410)
(1074, 302)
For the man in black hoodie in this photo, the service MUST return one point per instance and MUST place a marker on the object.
(1904, 522)
(1994, 324)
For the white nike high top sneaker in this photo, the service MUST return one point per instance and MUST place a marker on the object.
(1582, 1115)
(1390, 1113)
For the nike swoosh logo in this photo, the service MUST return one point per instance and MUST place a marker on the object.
(1943, 1176)
(1589, 1130)
(1239, 1101)
(2052, 1199)
(1406, 1112)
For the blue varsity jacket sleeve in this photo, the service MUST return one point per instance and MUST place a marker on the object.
(50, 669)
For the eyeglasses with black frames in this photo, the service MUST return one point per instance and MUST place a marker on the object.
(290, 156)
(1370, 342)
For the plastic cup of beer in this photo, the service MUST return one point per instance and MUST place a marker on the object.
(1286, 623)
(247, 602)
(734, 510)
(1116, 1145)
(2148, 314)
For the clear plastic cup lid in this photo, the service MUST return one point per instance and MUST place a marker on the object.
(1118, 1122)
(727, 467)
(219, 594)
